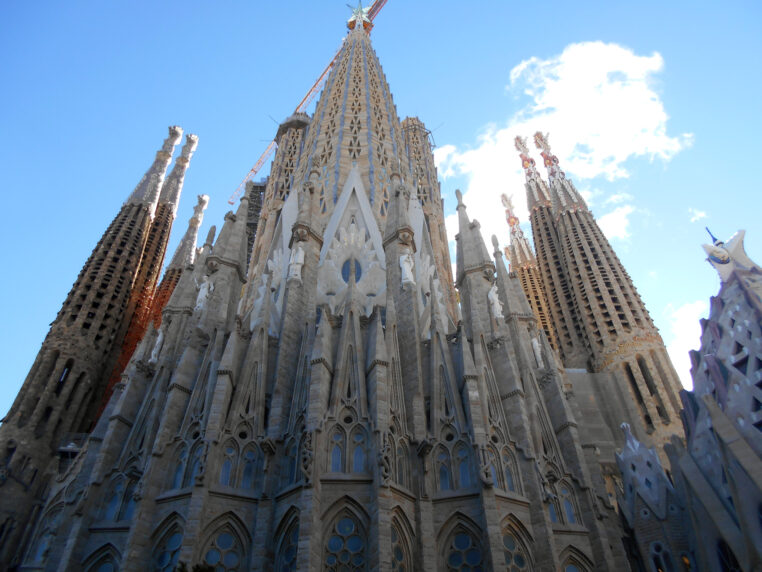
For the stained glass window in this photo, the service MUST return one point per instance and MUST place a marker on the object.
(224, 553)
(345, 547)
(287, 551)
(464, 553)
(167, 553)
(515, 558)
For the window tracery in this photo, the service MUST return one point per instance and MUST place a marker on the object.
(285, 559)
(224, 551)
(345, 547)
(464, 552)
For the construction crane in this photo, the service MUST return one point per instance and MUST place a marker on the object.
(303, 104)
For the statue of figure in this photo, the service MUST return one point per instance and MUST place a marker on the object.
(537, 352)
(296, 262)
(385, 459)
(494, 302)
(204, 291)
(157, 347)
(406, 266)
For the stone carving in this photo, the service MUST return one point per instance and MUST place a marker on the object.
(306, 458)
(494, 303)
(406, 266)
(537, 352)
(157, 347)
(204, 291)
(385, 459)
(296, 262)
(485, 473)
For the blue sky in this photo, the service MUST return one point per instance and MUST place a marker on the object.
(652, 108)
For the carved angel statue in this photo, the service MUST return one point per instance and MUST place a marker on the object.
(204, 291)
(494, 302)
(537, 352)
(406, 266)
(157, 346)
(296, 262)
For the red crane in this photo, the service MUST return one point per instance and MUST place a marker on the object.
(303, 104)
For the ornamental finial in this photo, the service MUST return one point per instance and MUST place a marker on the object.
(526, 161)
(551, 161)
(509, 214)
(359, 15)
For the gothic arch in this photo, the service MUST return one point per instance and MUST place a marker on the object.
(460, 540)
(522, 540)
(47, 529)
(286, 540)
(224, 544)
(402, 542)
(166, 542)
(345, 536)
(573, 556)
(106, 554)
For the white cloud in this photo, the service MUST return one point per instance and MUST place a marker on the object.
(615, 224)
(597, 102)
(617, 198)
(685, 335)
(696, 215)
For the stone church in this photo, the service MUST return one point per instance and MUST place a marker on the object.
(312, 388)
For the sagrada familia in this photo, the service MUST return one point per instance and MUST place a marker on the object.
(313, 389)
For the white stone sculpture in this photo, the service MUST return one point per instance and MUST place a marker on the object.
(406, 266)
(494, 303)
(296, 262)
(157, 347)
(204, 291)
(537, 352)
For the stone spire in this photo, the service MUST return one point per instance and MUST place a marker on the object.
(524, 264)
(147, 190)
(355, 124)
(173, 186)
(563, 194)
(185, 253)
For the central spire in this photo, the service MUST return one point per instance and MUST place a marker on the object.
(359, 15)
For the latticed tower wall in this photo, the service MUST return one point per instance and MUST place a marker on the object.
(290, 139)
(138, 313)
(255, 191)
(63, 389)
(619, 331)
(570, 340)
(424, 178)
(531, 282)
(355, 123)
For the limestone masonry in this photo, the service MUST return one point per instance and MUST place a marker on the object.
(312, 389)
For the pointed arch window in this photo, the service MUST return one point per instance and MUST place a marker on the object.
(224, 551)
(345, 547)
(338, 449)
(41, 546)
(127, 508)
(463, 460)
(285, 559)
(167, 551)
(567, 501)
(181, 458)
(194, 466)
(509, 470)
(401, 560)
(443, 471)
(290, 462)
(111, 509)
(492, 465)
(227, 470)
(401, 460)
(250, 462)
(515, 555)
(358, 450)
(463, 551)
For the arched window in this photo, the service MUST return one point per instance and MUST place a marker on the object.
(492, 467)
(567, 501)
(224, 551)
(179, 467)
(728, 561)
(338, 448)
(462, 458)
(128, 502)
(345, 547)
(285, 559)
(661, 558)
(401, 560)
(401, 459)
(167, 551)
(515, 556)
(41, 546)
(290, 463)
(105, 559)
(194, 466)
(509, 468)
(464, 552)
(250, 463)
(358, 450)
(111, 509)
(227, 470)
(552, 511)
(443, 470)
(104, 565)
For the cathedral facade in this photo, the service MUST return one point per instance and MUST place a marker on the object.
(312, 389)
